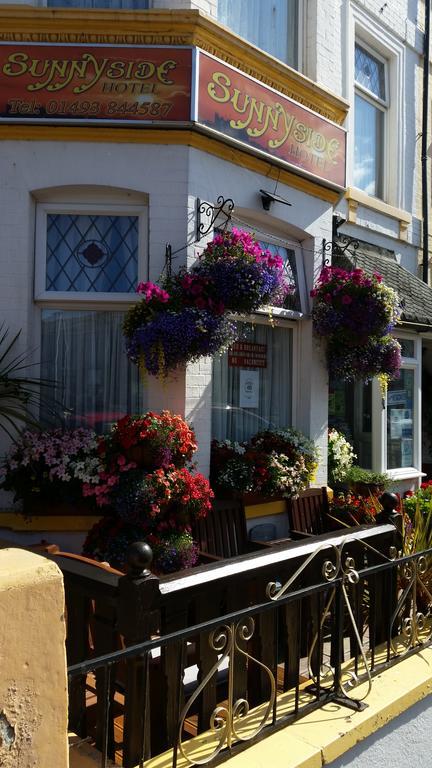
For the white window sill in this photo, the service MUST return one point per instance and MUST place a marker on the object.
(405, 473)
(286, 314)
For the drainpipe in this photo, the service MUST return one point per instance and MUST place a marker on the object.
(424, 146)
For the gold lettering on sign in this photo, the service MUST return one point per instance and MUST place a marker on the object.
(272, 120)
(55, 74)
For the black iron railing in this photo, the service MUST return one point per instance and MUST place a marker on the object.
(333, 613)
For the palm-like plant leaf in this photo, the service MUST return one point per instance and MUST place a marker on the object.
(20, 395)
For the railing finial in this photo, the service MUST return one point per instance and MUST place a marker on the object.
(140, 556)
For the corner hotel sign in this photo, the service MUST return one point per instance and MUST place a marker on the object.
(165, 86)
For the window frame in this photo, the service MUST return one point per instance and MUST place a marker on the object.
(300, 37)
(290, 245)
(367, 30)
(379, 416)
(383, 105)
(283, 318)
(86, 299)
(287, 324)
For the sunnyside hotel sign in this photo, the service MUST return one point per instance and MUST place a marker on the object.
(254, 114)
(161, 85)
(76, 83)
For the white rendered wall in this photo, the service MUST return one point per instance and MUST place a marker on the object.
(172, 178)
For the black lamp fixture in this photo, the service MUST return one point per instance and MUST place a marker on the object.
(267, 198)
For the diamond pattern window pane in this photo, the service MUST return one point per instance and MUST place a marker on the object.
(369, 72)
(90, 253)
(290, 271)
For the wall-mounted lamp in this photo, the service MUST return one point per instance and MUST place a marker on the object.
(337, 222)
(267, 198)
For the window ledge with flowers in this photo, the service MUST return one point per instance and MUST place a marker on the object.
(138, 480)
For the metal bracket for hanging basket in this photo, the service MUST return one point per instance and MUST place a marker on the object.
(331, 249)
(223, 209)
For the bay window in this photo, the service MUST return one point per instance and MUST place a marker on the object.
(252, 383)
(88, 262)
(371, 104)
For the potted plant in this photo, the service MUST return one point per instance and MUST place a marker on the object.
(349, 509)
(110, 538)
(340, 457)
(48, 471)
(20, 394)
(273, 464)
(365, 482)
(153, 440)
(158, 502)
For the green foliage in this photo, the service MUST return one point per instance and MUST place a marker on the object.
(359, 475)
(20, 394)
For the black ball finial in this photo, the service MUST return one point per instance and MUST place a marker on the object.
(389, 501)
(140, 556)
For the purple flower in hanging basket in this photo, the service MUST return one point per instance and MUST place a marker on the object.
(353, 305)
(172, 339)
(243, 274)
(379, 356)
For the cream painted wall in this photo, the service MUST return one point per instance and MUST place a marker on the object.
(33, 682)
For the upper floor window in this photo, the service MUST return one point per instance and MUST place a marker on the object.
(111, 4)
(271, 25)
(371, 104)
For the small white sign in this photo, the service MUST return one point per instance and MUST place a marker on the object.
(397, 397)
(249, 389)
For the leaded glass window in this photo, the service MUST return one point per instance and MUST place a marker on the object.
(369, 122)
(288, 256)
(91, 253)
(369, 72)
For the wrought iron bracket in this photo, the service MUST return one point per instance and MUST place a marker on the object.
(339, 244)
(331, 249)
(223, 209)
(343, 701)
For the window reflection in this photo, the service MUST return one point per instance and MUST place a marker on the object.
(400, 421)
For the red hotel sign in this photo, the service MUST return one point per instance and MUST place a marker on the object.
(143, 85)
(70, 83)
(242, 108)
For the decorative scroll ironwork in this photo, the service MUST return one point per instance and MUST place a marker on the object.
(223, 208)
(411, 623)
(331, 249)
(344, 571)
(226, 719)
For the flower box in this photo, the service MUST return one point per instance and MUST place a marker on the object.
(46, 508)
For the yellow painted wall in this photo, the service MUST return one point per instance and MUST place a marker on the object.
(33, 682)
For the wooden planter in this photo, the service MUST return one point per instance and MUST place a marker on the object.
(367, 489)
(41, 508)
